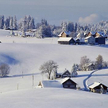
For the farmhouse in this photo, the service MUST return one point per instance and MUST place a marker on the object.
(97, 87)
(68, 83)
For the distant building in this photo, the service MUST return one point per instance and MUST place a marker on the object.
(66, 74)
(97, 87)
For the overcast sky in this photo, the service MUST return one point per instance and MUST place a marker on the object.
(55, 11)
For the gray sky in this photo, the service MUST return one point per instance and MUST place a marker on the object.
(55, 11)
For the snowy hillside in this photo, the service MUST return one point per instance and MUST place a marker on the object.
(52, 98)
(26, 55)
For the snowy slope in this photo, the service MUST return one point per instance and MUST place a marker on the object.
(52, 98)
(25, 55)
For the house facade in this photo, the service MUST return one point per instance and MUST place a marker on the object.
(66, 74)
(90, 40)
(100, 40)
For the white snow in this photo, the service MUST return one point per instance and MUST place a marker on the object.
(25, 55)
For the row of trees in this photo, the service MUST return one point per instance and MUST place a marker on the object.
(8, 23)
(44, 29)
(87, 64)
(50, 68)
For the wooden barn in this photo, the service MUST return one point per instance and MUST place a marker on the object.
(69, 83)
(97, 87)
(66, 40)
(66, 74)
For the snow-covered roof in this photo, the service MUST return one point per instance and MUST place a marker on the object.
(66, 32)
(95, 84)
(51, 83)
(65, 39)
(101, 33)
(88, 37)
(64, 79)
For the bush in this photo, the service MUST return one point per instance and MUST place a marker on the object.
(4, 70)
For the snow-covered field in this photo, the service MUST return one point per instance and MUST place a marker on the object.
(25, 55)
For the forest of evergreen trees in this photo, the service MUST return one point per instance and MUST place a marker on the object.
(44, 29)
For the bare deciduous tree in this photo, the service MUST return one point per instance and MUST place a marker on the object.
(4, 70)
(84, 62)
(49, 67)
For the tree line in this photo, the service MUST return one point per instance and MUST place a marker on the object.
(50, 67)
(44, 29)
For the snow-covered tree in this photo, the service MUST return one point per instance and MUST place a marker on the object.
(43, 31)
(64, 26)
(74, 70)
(48, 67)
(39, 32)
(14, 23)
(44, 22)
(70, 26)
(84, 63)
(11, 23)
(32, 24)
(26, 23)
(1, 22)
(4, 70)
(7, 23)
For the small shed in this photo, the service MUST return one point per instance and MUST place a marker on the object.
(66, 74)
(66, 40)
(97, 87)
(69, 83)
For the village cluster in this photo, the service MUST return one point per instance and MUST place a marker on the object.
(66, 80)
(92, 38)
